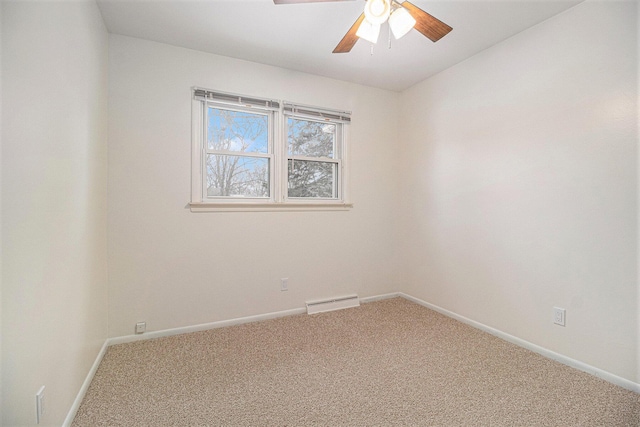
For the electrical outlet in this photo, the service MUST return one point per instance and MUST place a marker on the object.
(39, 404)
(559, 316)
(284, 284)
(141, 327)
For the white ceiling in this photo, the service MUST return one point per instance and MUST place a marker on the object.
(302, 36)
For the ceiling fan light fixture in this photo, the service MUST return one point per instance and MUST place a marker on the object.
(377, 11)
(368, 31)
(401, 22)
(405, 16)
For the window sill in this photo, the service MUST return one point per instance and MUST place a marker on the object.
(268, 207)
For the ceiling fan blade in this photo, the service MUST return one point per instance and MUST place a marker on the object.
(303, 1)
(349, 40)
(429, 26)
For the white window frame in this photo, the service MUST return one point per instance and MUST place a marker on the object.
(338, 158)
(278, 113)
(269, 155)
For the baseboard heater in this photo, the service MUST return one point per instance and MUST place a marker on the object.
(332, 304)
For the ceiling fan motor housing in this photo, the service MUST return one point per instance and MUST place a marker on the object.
(377, 11)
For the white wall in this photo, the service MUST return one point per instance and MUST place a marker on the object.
(54, 288)
(1, 3)
(521, 186)
(171, 267)
(638, 195)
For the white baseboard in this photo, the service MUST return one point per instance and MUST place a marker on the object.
(85, 386)
(225, 323)
(379, 297)
(205, 326)
(597, 372)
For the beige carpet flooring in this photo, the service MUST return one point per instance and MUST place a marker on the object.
(386, 363)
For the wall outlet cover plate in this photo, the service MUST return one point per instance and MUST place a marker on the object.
(559, 316)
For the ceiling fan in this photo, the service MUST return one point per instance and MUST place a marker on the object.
(402, 17)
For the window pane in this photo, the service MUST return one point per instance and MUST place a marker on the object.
(312, 179)
(237, 176)
(237, 131)
(311, 139)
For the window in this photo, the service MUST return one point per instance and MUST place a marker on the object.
(237, 153)
(253, 152)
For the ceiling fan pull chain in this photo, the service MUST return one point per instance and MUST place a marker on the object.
(389, 27)
(371, 49)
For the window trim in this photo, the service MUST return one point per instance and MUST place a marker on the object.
(268, 207)
(279, 112)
